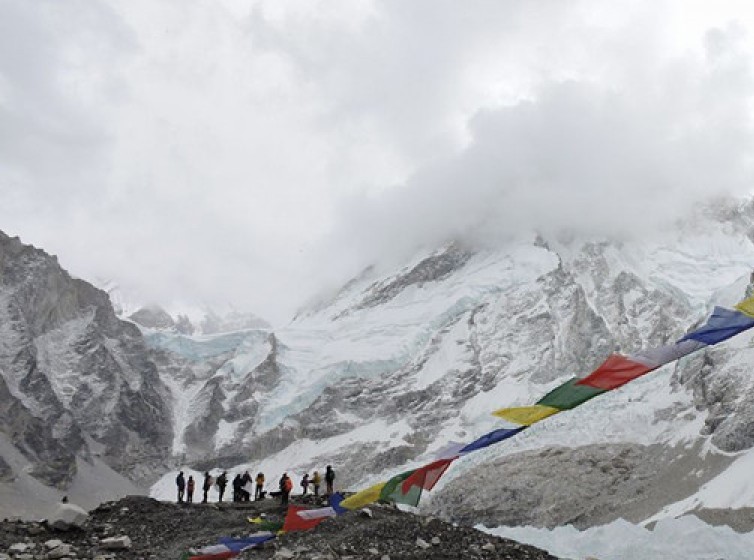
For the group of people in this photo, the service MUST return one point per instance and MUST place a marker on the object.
(242, 486)
(186, 487)
(285, 484)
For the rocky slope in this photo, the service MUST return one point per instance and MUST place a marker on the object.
(164, 530)
(75, 381)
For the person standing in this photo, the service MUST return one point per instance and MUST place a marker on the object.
(305, 484)
(316, 481)
(286, 485)
(329, 479)
(180, 482)
(246, 487)
(259, 491)
(237, 483)
(206, 486)
(190, 490)
(222, 482)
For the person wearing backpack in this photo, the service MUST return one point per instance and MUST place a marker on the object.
(329, 479)
(222, 482)
(286, 485)
(305, 484)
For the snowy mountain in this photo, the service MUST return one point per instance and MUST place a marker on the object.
(381, 376)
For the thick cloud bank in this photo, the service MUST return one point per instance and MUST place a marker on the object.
(253, 151)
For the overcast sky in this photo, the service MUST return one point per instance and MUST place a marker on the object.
(254, 152)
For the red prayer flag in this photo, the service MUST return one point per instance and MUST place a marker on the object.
(617, 370)
(218, 556)
(427, 476)
(293, 522)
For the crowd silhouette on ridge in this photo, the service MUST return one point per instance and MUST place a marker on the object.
(243, 485)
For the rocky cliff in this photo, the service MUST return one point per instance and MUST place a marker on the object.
(75, 380)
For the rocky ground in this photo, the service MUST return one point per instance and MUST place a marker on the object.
(160, 530)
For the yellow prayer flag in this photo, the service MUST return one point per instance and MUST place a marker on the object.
(256, 520)
(365, 497)
(526, 415)
(747, 306)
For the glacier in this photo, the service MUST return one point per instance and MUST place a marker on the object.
(387, 372)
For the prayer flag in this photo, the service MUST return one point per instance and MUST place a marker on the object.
(294, 522)
(661, 355)
(490, 438)
(335, 501)
(266, 524)
(451, 449)
(217, 556)
(427, 476)
(617, 370)
(722, 324)
(318, 513)
(526, 415)
(392, 491)
(746, 306)
(238, 545)
(569, 395)
(365, 497)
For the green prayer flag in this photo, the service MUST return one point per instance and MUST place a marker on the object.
(393, 492)
(569, 395)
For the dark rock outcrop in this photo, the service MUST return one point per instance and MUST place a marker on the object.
(72, 372)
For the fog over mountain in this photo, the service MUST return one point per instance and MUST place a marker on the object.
(256, 153)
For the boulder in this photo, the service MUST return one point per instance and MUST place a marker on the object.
(122, 542)
(68, 516)
(59, 552)
(53, 543)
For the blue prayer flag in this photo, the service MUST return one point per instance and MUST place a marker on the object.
(722, 324)
(493, 437)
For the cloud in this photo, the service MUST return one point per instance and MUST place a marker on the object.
(252, 152)
(622, 156)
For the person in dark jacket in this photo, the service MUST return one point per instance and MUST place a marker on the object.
(190, 490)
(180, 482)
(305, 484)
(329, 479)
(245, 494)
(206, 486)
(237, 483)
(222, 482)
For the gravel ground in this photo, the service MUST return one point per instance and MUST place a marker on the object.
(161, 530)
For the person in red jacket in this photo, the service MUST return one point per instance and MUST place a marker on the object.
(286, 485)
